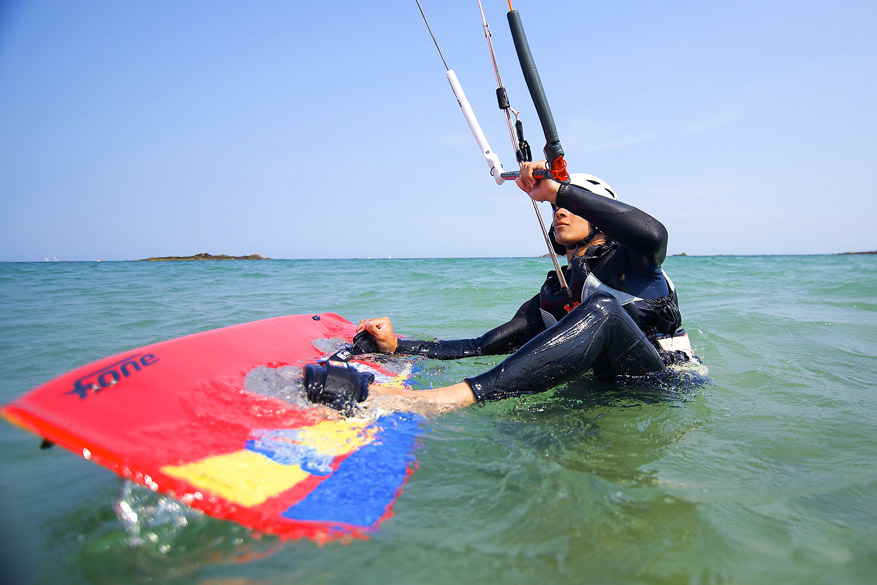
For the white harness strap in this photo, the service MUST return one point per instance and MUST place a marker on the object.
(592, 286)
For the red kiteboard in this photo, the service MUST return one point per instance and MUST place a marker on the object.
(218, 420)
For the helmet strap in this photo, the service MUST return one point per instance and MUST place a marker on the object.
(585, 242)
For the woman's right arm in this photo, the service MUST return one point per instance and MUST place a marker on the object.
(505, 339)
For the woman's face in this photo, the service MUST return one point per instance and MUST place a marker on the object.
(569, 229)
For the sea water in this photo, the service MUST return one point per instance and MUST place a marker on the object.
(767, 475)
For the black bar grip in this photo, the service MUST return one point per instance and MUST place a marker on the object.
(541, 173)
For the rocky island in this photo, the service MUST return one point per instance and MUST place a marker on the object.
(203, 256)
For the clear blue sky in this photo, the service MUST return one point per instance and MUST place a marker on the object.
(328, 129)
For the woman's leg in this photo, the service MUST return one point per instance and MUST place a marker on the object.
(598, 334)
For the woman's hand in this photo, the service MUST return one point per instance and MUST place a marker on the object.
(538, 189)
(382, 330)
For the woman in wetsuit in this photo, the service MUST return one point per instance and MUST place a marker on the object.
(619, 304)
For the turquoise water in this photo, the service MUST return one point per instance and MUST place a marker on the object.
(767, 475)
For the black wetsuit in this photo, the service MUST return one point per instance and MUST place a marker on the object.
(626, 301)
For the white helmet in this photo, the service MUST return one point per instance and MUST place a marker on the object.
(593, 184)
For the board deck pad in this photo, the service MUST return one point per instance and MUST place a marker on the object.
(218, 420)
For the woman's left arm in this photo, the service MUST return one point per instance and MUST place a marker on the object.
(620, 221)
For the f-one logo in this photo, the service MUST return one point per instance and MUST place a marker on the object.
(111, 375)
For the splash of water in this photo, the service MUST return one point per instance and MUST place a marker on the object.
(151, 519)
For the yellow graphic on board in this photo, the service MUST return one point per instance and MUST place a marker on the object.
(249, 477)
(332, 437)
(242, 477)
